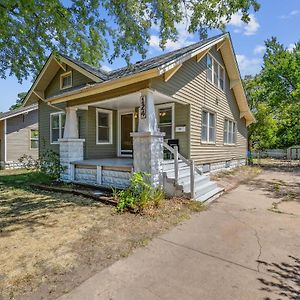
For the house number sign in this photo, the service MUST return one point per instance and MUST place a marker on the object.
(143, 107)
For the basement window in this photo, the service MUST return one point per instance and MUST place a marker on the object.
(66, 80)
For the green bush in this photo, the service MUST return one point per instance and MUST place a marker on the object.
(139, 194)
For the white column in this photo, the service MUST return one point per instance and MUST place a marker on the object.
(147, 117)
(71, 125)
(148, 141)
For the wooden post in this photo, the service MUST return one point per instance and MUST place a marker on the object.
(192, 177)
(176, 167)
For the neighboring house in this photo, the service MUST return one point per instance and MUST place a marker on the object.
(106, 124)
(18, 135)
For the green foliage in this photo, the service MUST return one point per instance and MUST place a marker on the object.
(28, 162)
(138, 195)
(19, 101)
(49, 164)
(274, 98)
(84, 29)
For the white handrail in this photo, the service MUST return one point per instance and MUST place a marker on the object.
(190, 163)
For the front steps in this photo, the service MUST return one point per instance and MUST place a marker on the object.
(204, 188)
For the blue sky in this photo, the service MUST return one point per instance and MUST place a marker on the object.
(275, 18)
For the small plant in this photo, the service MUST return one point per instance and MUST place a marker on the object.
(28, 162)
(138, 195)
(50, 164)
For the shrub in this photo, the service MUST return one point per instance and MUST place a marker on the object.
(28, 162)
(139, 194)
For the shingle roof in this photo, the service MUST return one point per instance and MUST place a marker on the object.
(143, 65)
(17, 111)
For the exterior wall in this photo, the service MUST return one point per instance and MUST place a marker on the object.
(18, 135)
(78, 79)
(2, 141)
(190, 86)
(99, 151)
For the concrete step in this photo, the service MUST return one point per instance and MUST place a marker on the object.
(170, 165)
(202, 189)
(183, 172)
(210, 196)
(199, 182)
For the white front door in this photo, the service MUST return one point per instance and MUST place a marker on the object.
(126, 126)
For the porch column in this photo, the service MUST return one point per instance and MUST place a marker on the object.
(70, 147)
(148, 141)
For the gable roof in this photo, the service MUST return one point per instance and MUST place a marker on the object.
(18, 111)
(156, 66)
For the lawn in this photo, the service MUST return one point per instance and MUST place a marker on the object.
(50, 242)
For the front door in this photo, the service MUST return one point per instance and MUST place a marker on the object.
(126, 127)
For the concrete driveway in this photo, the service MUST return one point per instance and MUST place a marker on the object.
(245, 246)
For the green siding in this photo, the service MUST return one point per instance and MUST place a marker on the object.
(54, 86)
(189, 85)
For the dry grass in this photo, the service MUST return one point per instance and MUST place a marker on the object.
(232, 178)
(51, 242)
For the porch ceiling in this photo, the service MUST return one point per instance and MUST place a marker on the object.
(128, 101)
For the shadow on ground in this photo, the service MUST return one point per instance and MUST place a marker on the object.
(24, 206)
(286, 279)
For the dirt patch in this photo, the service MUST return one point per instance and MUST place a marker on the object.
(233, 178)
(51, 242)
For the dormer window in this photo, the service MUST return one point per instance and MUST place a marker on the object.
(66, 80)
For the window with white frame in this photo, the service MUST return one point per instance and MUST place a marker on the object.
(165, 120)
(34, 139)
(57, 126)
(66, 80)
(215, 73)
(208, 129)
(229, 132)
(104, 126)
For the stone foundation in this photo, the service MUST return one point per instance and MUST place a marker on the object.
(222, 165)
(10, 165)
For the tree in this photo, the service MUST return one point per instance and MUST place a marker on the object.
(274, 98)
(85, 29)
(19, 101)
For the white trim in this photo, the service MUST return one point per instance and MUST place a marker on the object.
(120, 113)
(20, 113)
(234, 132)
(110, 126)
(61, 78)
(59, 125)
(217, 85)
(208, 142)
(30, 138)
(167, 105)
(5, 140)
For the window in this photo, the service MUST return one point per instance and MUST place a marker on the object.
(57, 124)
(165, 120)
(209, 67)
(215, 72)
(208, 130)
(229, 132)
(104, 126)
(34, 139)
(66, 80)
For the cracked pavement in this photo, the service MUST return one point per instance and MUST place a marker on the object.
(237, 249)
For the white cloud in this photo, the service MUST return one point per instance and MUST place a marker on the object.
(259, 49)
(248, 66)
(106, 68)
(291, 14)
(184, 37)
(291, 47)
(249, 28)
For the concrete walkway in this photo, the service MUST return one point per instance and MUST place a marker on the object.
(237, 249)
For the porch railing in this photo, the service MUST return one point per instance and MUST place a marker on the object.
(189, 162)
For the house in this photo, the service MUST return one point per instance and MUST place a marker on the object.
(107, 124)
(18, 135)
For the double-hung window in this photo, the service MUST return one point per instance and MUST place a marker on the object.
(34, 139)
(165, 120)
(215, 73)
(66, 80)
(208, 130)
(104, 126)
(57, 126)
(229, 132)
